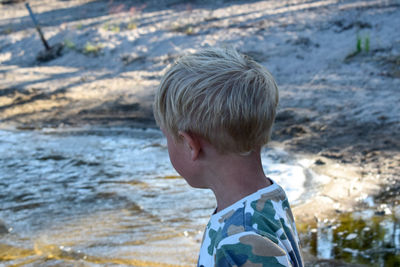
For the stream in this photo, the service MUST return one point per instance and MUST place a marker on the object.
(110, 197)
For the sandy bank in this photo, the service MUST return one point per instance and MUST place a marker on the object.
(337, 66)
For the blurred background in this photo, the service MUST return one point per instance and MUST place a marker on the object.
(85, 178)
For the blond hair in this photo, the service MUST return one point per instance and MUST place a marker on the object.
(221, 95)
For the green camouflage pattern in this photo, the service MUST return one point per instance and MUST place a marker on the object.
(257, 231)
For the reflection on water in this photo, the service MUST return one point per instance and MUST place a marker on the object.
(107, 197)
(358, 237)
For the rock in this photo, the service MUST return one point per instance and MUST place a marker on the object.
(128, 59)
(332, 154)
(292, 116)
(284, 115)
(47, 55)
(9, 2)
(3, 228)
(295, 130)
(344, 25)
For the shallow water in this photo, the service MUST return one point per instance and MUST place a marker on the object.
(104, 196)
(367, 237)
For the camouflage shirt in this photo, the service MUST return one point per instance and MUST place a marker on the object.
(258, 230)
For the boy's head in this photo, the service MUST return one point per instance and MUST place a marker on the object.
(220, 95)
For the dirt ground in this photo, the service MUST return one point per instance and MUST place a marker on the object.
(337, 64)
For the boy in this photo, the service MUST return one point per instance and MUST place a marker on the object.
(216, 109)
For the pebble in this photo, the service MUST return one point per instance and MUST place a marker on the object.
(351, 236)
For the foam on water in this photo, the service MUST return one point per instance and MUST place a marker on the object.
(292, 174)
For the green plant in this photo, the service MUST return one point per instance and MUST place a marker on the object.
(362, 44)
(69, 44)
(115, 28)
(366, 43)
(358, 46)
(92, 49)
(112, 27)
(187, 29)
(131, 25)
(79, 26)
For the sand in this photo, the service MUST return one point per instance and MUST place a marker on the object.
(337, 64)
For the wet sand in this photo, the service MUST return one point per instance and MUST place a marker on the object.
(337, 66)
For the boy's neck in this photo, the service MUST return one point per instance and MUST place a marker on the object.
(233, 177)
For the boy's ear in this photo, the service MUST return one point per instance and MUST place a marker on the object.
(193, 143)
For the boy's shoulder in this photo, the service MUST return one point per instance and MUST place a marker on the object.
(259, 212)
(253, 228)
